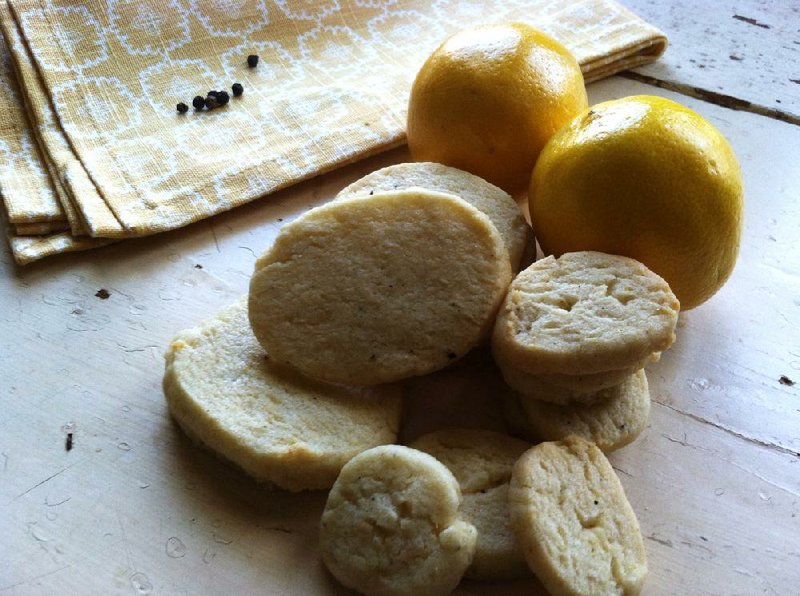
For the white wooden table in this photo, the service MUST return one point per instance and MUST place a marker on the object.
(134, 508)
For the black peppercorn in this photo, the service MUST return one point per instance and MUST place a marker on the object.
(237, 89)
(211, 102)
(198, 102)
(182, 108)
(222, 97)
(252, 61)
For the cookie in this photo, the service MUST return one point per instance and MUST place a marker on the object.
(277, 426)
(614, 420)
(496, 203)
(391, 525)
(584, 313)
(481, 461)
(367, 292)
(573, 522)
(567, 389)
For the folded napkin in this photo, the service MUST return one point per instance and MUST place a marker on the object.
(92, 148)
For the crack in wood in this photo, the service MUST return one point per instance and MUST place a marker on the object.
(33, 579)
(730, 431)
(38, 484)
(720, 99)
(766, 480)
(751, 21)
(664, 541)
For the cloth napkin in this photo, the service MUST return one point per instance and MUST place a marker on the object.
(93, 150)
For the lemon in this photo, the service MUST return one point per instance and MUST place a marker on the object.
(647, 178)
(488, 99)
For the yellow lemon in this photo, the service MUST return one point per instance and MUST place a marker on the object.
(646, 178)
(488, 99)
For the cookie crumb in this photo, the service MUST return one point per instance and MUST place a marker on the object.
(784, 380)
(102, 293)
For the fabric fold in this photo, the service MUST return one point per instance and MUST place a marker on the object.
(94, 89)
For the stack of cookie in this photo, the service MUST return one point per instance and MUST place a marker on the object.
(400, 276)
(572, 339)
(411, 521)
(404, 273)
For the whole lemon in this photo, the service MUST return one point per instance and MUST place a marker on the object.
(488, 99)
(647, 178)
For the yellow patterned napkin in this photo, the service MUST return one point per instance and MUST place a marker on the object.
(93, 148)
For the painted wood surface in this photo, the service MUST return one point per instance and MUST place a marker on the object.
(133, 507)
(739, 53)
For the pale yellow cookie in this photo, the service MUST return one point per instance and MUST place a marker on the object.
(584, 313)
(481, 461)
(277, 426)
(391, 525)
(367, 292)
(562, 389)
(614, 420)
(496, 203)
(594, 382)
(573, 522)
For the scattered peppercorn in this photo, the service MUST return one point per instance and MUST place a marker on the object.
(784, 380)
(211, 102)
(252, 61)
(223, 97)
(237, 89)
(102, 293)
(182, 108)
(212, 92)
(198, 102)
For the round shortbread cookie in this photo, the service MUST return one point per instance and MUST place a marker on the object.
(558, 389)
(573, 522)
(391, 525)
(614, 420)
(481, 461)
(277, 426)
(496, 203)
(367, 292)
(584, 313)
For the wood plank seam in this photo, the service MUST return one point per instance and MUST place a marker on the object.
(730, 431)
(720, 99)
